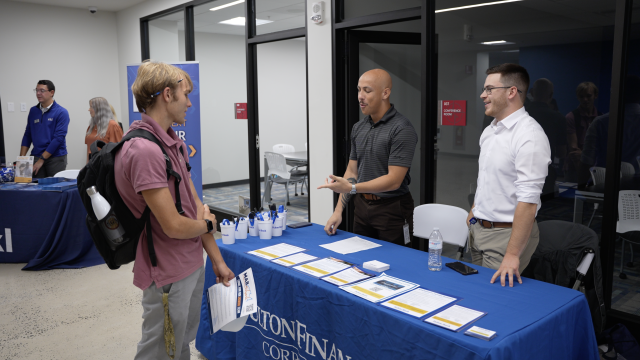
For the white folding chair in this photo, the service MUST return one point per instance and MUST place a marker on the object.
(69, 174)
(278, 167)
(628, 225)
(451, 220)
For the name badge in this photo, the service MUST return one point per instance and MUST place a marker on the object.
(50, 119)
(36, 121)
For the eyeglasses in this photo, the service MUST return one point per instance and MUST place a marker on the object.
(489, 89)
(158, 93)
(41, 91)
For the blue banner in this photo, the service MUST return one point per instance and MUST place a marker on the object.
(190, 131)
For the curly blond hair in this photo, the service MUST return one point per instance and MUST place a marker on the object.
(153, 77)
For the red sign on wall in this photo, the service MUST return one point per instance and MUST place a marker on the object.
(241, 111)
(454, 112)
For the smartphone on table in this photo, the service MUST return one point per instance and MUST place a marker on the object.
(461, 268)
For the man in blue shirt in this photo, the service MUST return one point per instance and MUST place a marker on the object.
(47, 126)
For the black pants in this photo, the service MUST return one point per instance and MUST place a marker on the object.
(51, 166)
(383, 219)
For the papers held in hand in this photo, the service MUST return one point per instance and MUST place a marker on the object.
(230, 306)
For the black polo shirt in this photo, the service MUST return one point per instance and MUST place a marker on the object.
(390, 141)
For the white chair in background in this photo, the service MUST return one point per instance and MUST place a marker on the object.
(278, 166)
(628, 225)
(296, 171)
(451, 220)
(627, 170)
(597, 174)
(68, 174)
(283, 148)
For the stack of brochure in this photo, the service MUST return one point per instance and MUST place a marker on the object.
(376, 265)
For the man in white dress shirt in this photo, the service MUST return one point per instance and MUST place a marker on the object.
(513, 165)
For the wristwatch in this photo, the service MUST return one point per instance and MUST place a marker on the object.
(353, 189)
(210, 227)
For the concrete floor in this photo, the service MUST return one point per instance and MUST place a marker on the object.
(91, 313)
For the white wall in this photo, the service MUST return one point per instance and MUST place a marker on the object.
(74, 49)
(129, 48)
(163, 40)
(320, 114)
(282, 95)
(223, 82)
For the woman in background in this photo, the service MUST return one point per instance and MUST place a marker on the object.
(115, 116)
(102, 126)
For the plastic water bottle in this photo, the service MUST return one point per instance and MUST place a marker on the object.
(109, 224)
(435, 250)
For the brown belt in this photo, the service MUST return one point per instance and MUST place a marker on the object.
(492, 224)
(371, 197)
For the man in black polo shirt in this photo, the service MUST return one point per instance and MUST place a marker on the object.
(382, 148)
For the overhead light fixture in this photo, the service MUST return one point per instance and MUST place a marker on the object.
(477, 5)
(497, 42)
(226, 5)
(240, 21)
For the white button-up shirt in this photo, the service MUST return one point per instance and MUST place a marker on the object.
(513, 164)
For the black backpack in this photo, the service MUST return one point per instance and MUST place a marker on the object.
(99, 172)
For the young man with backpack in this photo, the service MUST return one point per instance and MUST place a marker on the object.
(172, 277)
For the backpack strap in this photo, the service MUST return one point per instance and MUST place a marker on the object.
(141, 133)
(186, 159)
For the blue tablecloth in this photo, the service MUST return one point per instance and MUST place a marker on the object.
(534, 320)
(47, 230)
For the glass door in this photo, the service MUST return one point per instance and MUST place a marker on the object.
(398, 53)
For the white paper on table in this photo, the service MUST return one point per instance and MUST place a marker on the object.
(419, 302)
(276, 251)
(295, 259)
(323, 267)
(455, 317)
(230, 306)
(350, 245)
(347, 276)
(380, 288)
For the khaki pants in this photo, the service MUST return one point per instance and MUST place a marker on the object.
(185, 300)
(488, 246)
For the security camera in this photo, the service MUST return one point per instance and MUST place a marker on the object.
(93, 9)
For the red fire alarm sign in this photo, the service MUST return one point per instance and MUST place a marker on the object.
(454, 112)
(241, 111)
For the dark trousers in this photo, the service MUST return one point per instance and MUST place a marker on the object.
(51, 166)
(383, 219)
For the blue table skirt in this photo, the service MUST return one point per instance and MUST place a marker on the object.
(534, 320)
(48, 230)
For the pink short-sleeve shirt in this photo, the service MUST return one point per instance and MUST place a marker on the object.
(140, 165)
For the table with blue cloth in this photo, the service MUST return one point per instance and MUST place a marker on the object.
(301, 317)
(45, 229)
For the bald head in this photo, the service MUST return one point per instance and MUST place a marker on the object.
(378, 77)
(542, 90)
(374, 90)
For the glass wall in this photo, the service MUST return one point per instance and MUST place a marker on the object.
(567, 50)
(282, 114)
(278, 15)
(626, 275)
(220, 49)
(166, 38)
